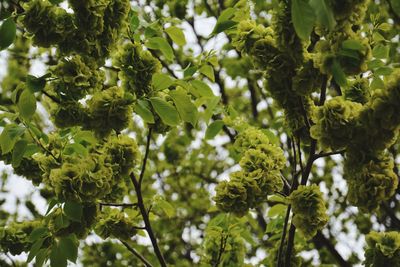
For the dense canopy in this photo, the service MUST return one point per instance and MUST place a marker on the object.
(221, 133)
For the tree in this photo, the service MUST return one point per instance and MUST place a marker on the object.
(206, 133)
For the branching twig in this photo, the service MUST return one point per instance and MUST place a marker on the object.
(138, 189)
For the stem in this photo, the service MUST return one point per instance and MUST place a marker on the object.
(138, 189)
(137, 254)
(118, 204)
(146, 155)
(304, 177)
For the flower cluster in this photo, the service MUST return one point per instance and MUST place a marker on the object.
(370, 183)
(109, 110)
(81, 180)
(77, 78)
(278, 51)
(383, 249)
(115, 223)
(260, 175)
(309, 210)
(335, 122)
(14, 238)
(91, 30)
(122, 154)
(47, 23)
(137, 69)
(358, 91)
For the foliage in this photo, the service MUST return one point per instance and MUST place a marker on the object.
(207, 133)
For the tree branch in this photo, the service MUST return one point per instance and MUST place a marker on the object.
(137, 254)
(145, 215)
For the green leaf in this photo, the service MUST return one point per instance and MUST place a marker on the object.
(18, 152)
(134, 25)
(277, 210)
(142, 108)
(69, 248)
(214, 128)
(167, 112)
(35, 84)
(338, 74)
(187, 110)
(189, 71)
(324, 14)
(52, 203)
(35, 249)
(208, 71)
(273, 138)
(56, 2)
(177, 35)
(73, 210)
(57, 258)
(40, 257)
(375, 63)
(224, 22)
(165, 206)
(9, 137)
(211, 104)
(161, 81)
(38, 233)
(158, 43)
(377, 83)
(202, 88)
(76, 148)
(380, 51)
(383, 71)
(353, 45)
(303, 18)
(8, 31)
(26, 104)
(395, 4)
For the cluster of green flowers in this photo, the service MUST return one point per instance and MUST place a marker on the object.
(358, 91)
(109, 110)
(81, 180)
(365, 131)
(383, 249)
(335, 123)
(76, 78)
(137, 68)
(344, 44)
(122, 154)
(278, 51)
(260, 176)
(14, 238)
(91, 30)
(114, 222)
(309, 210)
(371, 182)
(350, 11)
(99, 175)
(48, 23)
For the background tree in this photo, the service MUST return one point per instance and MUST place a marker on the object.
(207, 133)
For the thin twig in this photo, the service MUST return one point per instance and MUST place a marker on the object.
(137, 254)
(327, 154)
(118, 204)
(138, 189)
(146, 155)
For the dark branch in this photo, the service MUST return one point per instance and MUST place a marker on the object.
(137, 254)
